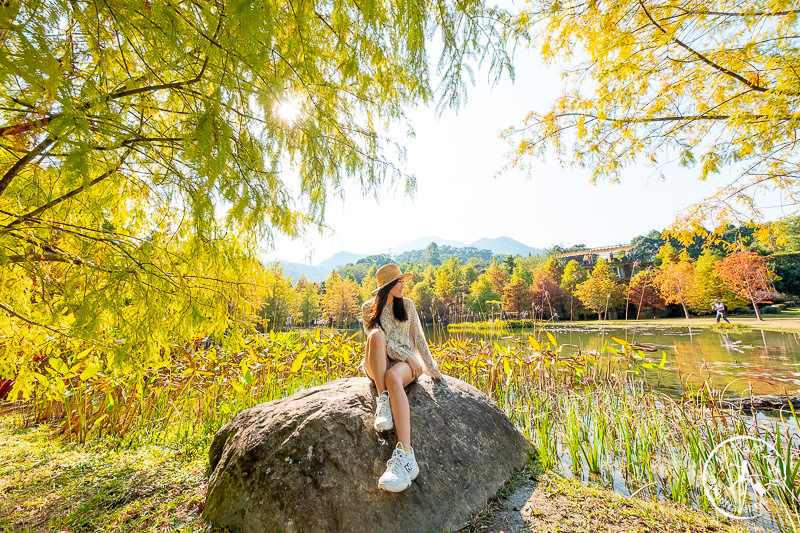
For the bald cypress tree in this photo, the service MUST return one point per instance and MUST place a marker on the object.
(147, 149)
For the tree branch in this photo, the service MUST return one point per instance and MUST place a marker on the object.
(28, 321)
(59, 258)
(14, 170)
(153, 88)
(675, 118)
(16, 129)
(740, 14)
(44, 258)
(127, 143)
(52, 203)
(704, 59)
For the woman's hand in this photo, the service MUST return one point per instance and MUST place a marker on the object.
(437, 374)
(416, 368)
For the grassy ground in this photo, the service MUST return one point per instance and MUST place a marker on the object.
(552, 503)
(49, 485)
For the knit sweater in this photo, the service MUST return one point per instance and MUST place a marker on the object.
(405, 338)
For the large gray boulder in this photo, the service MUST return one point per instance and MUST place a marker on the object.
(311, 462)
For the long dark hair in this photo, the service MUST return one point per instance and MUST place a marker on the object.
(398, 309)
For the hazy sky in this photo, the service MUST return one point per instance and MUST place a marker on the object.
(455, 159)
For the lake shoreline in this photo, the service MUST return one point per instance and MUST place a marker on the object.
(773, 323)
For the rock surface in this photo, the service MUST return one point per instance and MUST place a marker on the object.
(311, 462)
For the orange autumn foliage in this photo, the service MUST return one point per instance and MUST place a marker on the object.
(747, 274)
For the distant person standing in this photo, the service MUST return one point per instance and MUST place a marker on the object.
(721, 310)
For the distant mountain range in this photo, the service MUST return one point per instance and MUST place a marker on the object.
(499, 245)
(507, 246)
(423, 242)
(320, 272)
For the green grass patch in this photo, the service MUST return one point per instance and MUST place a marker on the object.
(587, 507)
(47, 484)
(722, 327)
(790, 312)
(550, 502)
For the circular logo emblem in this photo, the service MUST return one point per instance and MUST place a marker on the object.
(741, 476)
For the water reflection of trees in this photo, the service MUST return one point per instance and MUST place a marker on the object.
(764, 362)
(758, 362)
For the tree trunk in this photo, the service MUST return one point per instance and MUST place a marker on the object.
(599, 315)
(755, 306)
(685, 311)
(761, 403)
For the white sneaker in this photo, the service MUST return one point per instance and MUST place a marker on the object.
(383, 413)
(411, 463)
(398, 469)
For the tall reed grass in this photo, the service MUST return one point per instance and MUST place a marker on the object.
(187, 398)
(593, 414)
(589, 413)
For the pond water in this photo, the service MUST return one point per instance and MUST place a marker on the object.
(764, 362)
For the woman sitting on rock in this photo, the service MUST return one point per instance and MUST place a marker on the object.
(394, 341)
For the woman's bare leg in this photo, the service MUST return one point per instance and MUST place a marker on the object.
(397, 378)
(376, 361)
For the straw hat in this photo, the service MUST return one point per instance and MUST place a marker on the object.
(387, 274)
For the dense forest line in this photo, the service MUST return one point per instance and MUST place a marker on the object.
(742, 266)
